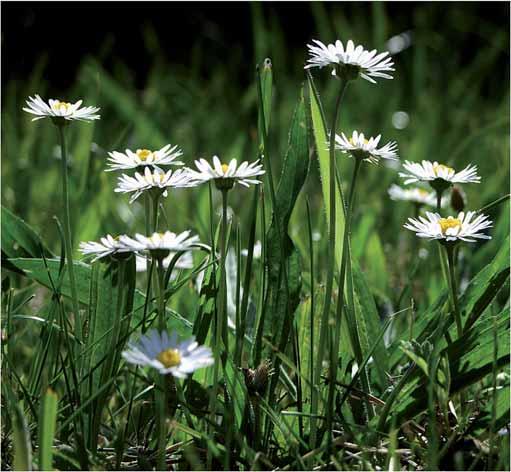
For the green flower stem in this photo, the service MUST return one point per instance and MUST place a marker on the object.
(340, 302)
(223, 283)
(439, 200)
(161, 399)
(330, 258)
(156, 202)
(453, 289)
(68, 239)
(443, 262)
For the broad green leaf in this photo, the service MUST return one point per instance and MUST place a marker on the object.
(19, 239)
(319, 128)
(283, 260)
(110, 309)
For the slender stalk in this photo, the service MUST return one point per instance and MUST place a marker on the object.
(161, 392)
(223, 286)
(453, 289)
(438, 201)
(68, 238)
(330, 258)
(156, 202)
(340, 303)
(217, 334)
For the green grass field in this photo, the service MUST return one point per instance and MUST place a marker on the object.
(411, 392)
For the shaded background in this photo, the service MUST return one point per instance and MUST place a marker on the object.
(125, 32)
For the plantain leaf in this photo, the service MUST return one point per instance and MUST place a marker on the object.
(320, 133)
(283, 260)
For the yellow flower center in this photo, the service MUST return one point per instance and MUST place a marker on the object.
(448, 223)
(144, 154)
(169, 358)
(422, 192)
(352, 142)
(439, 167)
(225, 168)
(62, 105)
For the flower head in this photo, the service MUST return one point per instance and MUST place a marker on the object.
(366, 149)
(107, 246)
(415, 195)
(350, 62)
(438, 175)
(184, 262)
(464, 227)
(165, 353)
(161, 243)
(58, 110)
(225, 176)
(144, 157)
(155, 179)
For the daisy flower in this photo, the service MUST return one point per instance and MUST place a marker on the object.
(161, 243)
(144, 157)
(225, 176)
(416, 195)
(107, 246)
(463, 228)
(58, 110)
(165, 353)
(184, 262)
(438, 175)
(350, 62)
(366, 149)
(155, 179)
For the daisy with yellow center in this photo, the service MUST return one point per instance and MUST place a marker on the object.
(351, 61)
(107, 246)
(156, 181)
(434, 173)
(167, 355)
(163, 243)
(226, 175)
(60, 110)
(167, 155)
(465, 227)
(364, 149)
(416, 195)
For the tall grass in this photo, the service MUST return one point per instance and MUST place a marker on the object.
(402, 397)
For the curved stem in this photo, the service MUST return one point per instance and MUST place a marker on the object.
(330, 258)
(453, 289)
(68, 238)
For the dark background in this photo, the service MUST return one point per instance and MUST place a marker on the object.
(66, 31)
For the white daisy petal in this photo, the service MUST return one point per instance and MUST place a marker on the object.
(450, 229)
(366, 149)
(351, 61)
(167, 155)
(226, 174)
(428, 171)
(57, 109)
(164, 353)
